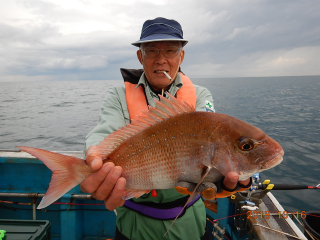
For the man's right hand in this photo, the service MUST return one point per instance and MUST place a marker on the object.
(105, 183)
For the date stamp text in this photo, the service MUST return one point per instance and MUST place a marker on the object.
(278, 214)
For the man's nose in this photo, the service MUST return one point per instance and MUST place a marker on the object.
(161, 59)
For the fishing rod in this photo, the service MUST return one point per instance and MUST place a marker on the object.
(285, 187)
(267, 186)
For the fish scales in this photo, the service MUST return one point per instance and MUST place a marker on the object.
(159, 157)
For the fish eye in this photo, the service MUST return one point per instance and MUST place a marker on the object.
(246, 144)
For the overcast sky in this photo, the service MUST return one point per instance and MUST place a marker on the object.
(91, 39)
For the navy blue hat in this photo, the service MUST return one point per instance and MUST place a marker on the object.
(161, 29)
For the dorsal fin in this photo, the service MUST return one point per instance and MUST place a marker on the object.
(163, 109)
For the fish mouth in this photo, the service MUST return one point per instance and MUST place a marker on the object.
(264, 166)
(273, 162)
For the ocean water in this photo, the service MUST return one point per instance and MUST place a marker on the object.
(57, 115)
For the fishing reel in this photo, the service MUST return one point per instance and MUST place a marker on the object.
(251, 198)
(248, 201)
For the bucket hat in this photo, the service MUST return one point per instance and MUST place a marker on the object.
(161, 29)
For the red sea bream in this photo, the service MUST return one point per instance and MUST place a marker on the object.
(168, 144)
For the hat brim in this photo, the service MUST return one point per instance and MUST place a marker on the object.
(159, 37)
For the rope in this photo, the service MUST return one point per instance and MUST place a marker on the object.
(304, 227)
(277, 231)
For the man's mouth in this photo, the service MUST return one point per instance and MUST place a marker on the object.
(160, 71)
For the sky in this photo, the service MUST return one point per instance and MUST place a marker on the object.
(91, 39)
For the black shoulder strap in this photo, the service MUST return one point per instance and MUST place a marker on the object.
(131, 75)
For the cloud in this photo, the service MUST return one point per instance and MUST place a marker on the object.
(81, 39)
(283, 62)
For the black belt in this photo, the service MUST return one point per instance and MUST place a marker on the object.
(161, 211)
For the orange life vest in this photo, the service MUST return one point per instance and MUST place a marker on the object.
(136, 99)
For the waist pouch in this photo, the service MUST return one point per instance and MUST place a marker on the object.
(161, 211)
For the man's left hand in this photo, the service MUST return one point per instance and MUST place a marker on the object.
(231, 180)
(227, 187)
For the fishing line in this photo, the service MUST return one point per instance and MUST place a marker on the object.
(215, 220)
(205, 172)
(212, 222)
(304, 227)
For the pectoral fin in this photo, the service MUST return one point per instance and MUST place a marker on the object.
(205, 172)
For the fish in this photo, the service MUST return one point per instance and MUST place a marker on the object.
(165, 145)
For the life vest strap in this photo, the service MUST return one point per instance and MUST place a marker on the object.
(135, 96)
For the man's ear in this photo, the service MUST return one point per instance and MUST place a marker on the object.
(140, 57)
(181, 56)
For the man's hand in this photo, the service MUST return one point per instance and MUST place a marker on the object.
(231, 179)
(105, 183)
(209, 190)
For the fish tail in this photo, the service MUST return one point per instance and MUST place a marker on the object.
(64, 173)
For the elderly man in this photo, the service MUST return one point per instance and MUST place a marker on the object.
(160, 51)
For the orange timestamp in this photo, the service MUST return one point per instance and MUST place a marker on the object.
(279, 214)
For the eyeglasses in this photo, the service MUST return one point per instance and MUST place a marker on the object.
(152, 52)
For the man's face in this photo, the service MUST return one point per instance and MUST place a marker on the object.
(153, 66)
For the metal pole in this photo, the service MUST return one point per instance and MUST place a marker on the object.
(39, 195)
(34, 216)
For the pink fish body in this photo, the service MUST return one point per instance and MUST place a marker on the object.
(168, 144)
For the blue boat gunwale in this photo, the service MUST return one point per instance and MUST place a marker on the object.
(23, 173)
(17, 156)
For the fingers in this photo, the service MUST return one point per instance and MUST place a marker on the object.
(92, 183)
(115, 199)
(245, 182)
(92, 159)
(94, 162)
(231, 179)
(106, 184)
(106, 187)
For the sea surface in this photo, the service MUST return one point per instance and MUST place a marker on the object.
(57, 115)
